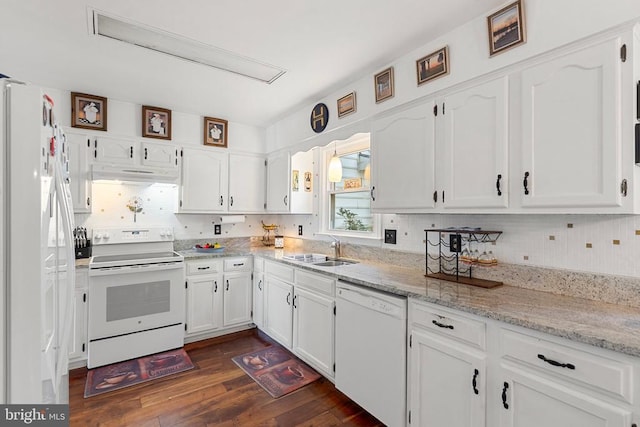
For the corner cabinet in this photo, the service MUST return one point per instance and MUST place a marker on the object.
(571, 130)
(403, 160)
(204, 181)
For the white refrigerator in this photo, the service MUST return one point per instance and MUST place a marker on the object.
(37, 261)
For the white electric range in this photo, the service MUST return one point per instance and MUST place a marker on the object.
(136, 294)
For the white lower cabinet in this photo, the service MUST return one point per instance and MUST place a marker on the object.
(515, 378)
(279, 310)
(78, 341)
(204, 303)
(447, 377)
(314, 323)
(219, 295)
(530, 400)
(299, 313)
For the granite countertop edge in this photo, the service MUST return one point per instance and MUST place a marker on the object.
(609, 326)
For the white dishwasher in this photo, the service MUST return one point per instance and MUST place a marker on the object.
(371, 350)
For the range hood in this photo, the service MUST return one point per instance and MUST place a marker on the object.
(134, 173)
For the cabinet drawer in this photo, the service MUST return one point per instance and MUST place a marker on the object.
(315, 282)
(237, 264)
(281, 271)
(204, 266)
(448, 323)
(597, 371)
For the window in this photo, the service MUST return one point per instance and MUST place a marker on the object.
(347, 204)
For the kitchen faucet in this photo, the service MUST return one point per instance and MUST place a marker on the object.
(336, 247)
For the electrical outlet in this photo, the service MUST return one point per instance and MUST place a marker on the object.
(390, 236)
(299, 230)
(217, 229)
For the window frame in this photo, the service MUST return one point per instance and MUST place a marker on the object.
(358, 142)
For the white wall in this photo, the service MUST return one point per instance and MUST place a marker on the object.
(549, 24)
(541, 240)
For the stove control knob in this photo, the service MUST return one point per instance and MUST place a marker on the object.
(106, 236)
(169, 233)
(98, 236)
(162, 233)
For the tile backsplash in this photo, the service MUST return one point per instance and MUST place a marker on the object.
(604, 244)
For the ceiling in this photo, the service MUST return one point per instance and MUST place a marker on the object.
(323, 45)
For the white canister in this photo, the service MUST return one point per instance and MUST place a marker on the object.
(279, 242)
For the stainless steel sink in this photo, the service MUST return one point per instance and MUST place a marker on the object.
(335, 262)
(310, 258)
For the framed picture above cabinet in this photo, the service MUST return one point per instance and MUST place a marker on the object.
(215, 132)
(506, 28)
(88, 111)
(156, 122)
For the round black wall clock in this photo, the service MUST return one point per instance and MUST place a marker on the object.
(319, 117)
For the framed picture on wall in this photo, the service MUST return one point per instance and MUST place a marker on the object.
(506, 28)
(215, 132)
(88, 111)
(347, 104)
(156, 122)
(383, 82)
(432, 66)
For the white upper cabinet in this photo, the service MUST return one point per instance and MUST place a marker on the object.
(403, 160)
(278, 173)
(472, 167)
(161, 155)
(571, 130)
(246, 183)
(79, 150)
(115, 150)
(204, 181)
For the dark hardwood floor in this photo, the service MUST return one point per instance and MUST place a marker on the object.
(216, 393)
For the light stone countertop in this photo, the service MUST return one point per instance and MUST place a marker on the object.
(609, 326)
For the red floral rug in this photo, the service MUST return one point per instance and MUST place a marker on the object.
(131, 372)
(276, 370)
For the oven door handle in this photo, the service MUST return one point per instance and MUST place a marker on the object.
(132, 269)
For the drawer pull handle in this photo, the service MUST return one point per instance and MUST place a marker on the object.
(474, 382)
(238, 265)
(203, 268)
(442, 325)
(294, 301)
(215, 286)
(288, 298)
(554, 363)
(227, 285)
(504, 395)
(260, 285)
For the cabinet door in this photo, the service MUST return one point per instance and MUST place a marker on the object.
(119, 151)
(278, 170)
(79, 149)
(78, 341)
(532, 401)
(571, 130)
(313, 326)
(447, 383)
(473, 169)
(162, 155)
(204, 181)
(278, 310)
(258, 300)
(402, 160)
(246, 183)
(237, 298)
(204, 303)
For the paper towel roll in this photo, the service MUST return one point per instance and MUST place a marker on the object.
(232, 219)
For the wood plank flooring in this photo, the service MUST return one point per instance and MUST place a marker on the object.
(216, 393)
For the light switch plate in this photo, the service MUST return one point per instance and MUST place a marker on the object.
(217, 229)
(299, 230)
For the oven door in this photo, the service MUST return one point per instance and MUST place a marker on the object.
(130, 299)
